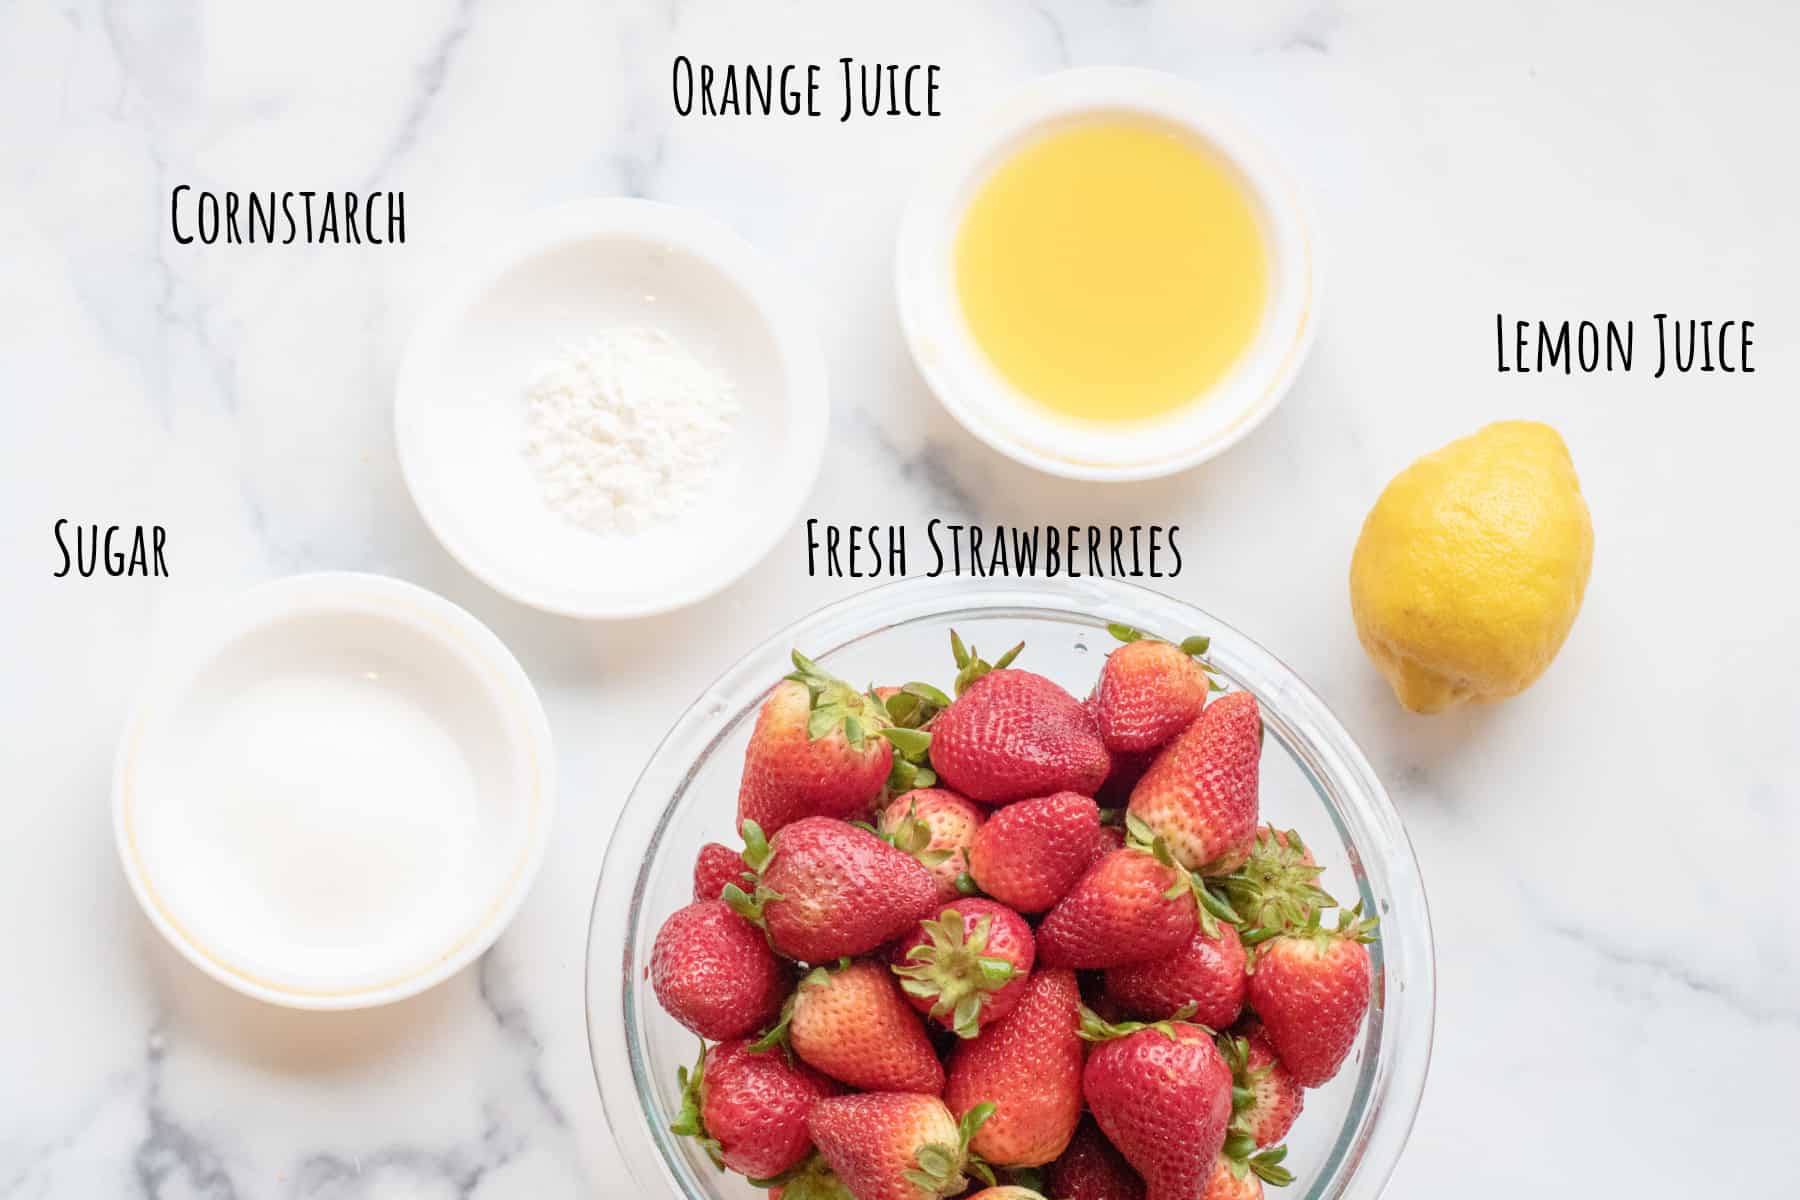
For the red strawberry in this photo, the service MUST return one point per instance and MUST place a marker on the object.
(1030, 854)
(1128, 907)
(1226, 1184)
(854, 1025)
(716, 866)
(1029, 1066)
(894, 1146)
(1277, 887)
(1149, 691)
(749, 1109)
(1206, 976)
(1199, 795)
(828, 890)
(1267, 1098)
(1162, 1095)
(714, 972)
(1311, 989)
(1110, 838)
(1013, 734)
(1091, 1169)
(937, 827)
(967, 965)
(816, 751)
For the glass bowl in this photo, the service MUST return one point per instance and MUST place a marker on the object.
(1314, 779)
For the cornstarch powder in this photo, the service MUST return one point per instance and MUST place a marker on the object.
(626, 430)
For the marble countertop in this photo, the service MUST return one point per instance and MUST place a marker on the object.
(1609, 858)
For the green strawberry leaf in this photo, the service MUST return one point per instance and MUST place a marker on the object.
(927, 693)
(1095, 1028)
(951, 969)
(777, 1034)
(756, 846)
(913, 743)
(972, 1121)
(688, 1122)
(813, 1179)
(900, 706)
(970, 666)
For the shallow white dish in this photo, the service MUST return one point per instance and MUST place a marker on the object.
(337, 793)
(579, 268)
(995, 411)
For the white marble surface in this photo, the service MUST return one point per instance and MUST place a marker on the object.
(1610, 857)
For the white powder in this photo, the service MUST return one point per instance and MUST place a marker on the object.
(626, 430)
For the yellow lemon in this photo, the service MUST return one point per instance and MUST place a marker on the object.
(1471, 567)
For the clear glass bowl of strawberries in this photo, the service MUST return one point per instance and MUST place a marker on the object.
(1008, 889)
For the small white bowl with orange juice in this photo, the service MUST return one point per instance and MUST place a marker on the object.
(1103, 279)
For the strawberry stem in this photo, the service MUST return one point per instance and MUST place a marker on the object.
(952, 969)
(835, 705)
(813, 1179)
(688, 1122)
(1095, 1028)
(1277, 887)
(969, 664)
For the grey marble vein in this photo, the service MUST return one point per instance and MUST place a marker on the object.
(432, 74)
(172, 1160)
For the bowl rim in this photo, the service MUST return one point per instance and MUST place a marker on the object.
(455, 632)
(787, 324)
(988, 405)
(1389, 1088)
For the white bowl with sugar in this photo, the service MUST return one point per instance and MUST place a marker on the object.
(619, 415)
(334, 791)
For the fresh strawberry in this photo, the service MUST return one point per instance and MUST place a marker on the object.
(828, 890)
(716, 866)
(1030, 854)
(749, 1109)
(1205, 977)
(1091, 1169)
(967, 965)
(1011, 734)
(894, 1146)
(937, 827)
(1311, 989)
(853, 1024)
(1006, 1191)
(1226, 1184)
(1161, 1094)
(1029, 1066)
(1128, 907)
(1149, 690)
(1199, 795)
(816, 751)
(714, 972)
(1277, 887)
(1266, 1098)
(1107, 839)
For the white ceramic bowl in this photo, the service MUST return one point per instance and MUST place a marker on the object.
(336, 793)
(993, 409)
(576, 270)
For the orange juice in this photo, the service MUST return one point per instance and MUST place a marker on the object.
(1112, 270)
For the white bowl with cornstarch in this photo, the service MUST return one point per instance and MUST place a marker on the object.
(619, 416)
